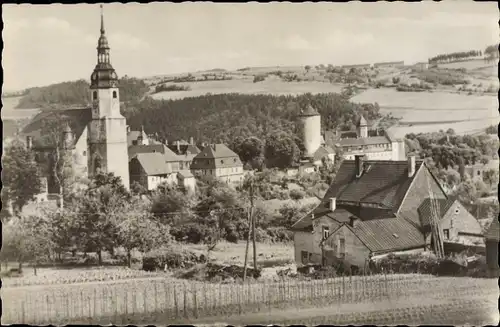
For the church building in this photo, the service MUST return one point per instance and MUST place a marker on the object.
(96, 135)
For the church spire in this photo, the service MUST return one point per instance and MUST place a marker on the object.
(102, 21)
(104, 75)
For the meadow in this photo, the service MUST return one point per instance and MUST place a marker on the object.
(271, 85)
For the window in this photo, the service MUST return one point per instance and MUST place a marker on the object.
(114, 95)
(304, 257)
(222, 161)
(84, 153)
(478, 173)
(94, 95)
(342, 247)
(326, 232)
(446, 233)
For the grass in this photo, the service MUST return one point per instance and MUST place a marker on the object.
(246, 86)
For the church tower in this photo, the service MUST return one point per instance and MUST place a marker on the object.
(362, 128)
(107, 131)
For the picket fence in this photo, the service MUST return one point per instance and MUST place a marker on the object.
(163, 300)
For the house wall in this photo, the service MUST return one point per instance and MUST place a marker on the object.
(80, 154)
(304, 241)
(416, 194)
(458, 220)
(372, 153)
(154, 181)
(492, 254)
(137, 174)
(356, 253)
(188, 183)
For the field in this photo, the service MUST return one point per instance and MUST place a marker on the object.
(470, 65)
(9, 110)
(168, 301)
(271, 85)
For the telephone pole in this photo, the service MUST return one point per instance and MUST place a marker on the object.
(248, 243)
(253, 227)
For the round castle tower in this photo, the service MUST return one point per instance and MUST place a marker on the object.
(362, 128)
(310, 121)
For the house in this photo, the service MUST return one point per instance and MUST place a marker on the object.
(186, 153)
(421, 66)
(477, 170)
(151, 170)
(186, 181)
(461, 230)
(219, 161)
(168, 155)
(137, 137)
(370, 210)
(492, 237)
(353, 143)
(393, 64)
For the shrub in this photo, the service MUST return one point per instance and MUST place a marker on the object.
(173, 257)
(259, 78)
(280, 234)
(297, 194)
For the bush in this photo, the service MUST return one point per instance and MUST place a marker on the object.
(259, 78)
(173, 257)
(280, 234)
(297, 194)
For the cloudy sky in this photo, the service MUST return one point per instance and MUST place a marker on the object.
(46, 44)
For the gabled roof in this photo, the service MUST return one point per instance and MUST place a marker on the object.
(77, 118)
(383, 183)
(184, 149)
(185, 174)
(424, 210)
(387, 235)
(168, 155)
(340, 215)
(216, 156)
(153, 163)
(493, 231)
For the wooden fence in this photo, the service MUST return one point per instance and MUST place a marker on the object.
(162, 300)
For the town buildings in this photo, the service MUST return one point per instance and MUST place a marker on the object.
(351, 144)
(421, 66)
(374, 208)
(492, 237)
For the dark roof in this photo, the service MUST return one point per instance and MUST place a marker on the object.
(216, 156)
(493, 231)
(309, 111)
(168, 155)
(390, 234)
(424, 210)
(383, 182)
(132, 136)
(185, 174)
(184, 149)
(364, 141)
(153, 163)
(322, 152)
(77, 118)
(348, 134)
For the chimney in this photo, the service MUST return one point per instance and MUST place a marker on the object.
(178, 144)
(29, 142)
(333, 204)
(359, 165)
(411, 165)
(353, 221)
(191, 140)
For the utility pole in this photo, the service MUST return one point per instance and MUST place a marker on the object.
(248, 243)
(252, 218)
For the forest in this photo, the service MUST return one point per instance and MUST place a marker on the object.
(455, 56)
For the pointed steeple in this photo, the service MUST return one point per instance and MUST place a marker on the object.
(104, 75)
(102, 22)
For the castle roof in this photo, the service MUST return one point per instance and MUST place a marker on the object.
(309, 111)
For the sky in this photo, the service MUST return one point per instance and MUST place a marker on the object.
(45, 44)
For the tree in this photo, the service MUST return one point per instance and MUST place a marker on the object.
(491, 177)
(97, 210)
(307, 68)
(281, 150)
(137, 229)
(20, 175)
(250, 150)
